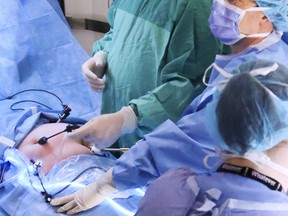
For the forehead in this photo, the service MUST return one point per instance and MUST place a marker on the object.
(243, 3)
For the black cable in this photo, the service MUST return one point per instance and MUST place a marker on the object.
(23, 101)
(68, 129)
(39, 90)
(93, 167)
(48, 197)
(33, 101)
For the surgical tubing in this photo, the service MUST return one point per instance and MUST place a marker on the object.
(61, 148)
(14, 160)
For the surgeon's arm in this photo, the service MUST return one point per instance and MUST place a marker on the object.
(191, 50)
(94, 69)
(171, 145)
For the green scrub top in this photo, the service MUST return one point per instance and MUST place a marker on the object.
(157, 51)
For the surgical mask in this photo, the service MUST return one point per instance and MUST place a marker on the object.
(224, 22)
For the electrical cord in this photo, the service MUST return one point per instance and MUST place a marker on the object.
(69, 128)
(63, 115)
(23, 101)
(93, 167)
(33, 101)
(48, 197)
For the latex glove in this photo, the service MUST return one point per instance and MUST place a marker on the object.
(87, 197)
(93, 70)
(104, 130)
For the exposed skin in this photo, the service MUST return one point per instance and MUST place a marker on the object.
(277, 154)
(49, 153)
(253, 22)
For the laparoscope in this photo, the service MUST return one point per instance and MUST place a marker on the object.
(68, 128)
(63, 115)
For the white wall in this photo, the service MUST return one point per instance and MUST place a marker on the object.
(90, 9)
(78, 10)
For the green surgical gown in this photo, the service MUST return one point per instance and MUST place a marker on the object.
(157, 51)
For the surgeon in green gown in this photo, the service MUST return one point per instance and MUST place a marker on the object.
(149, 67)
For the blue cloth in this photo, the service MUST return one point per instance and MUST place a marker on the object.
(57, 8)
(3, 147)
(16, 125)
(20, 190)
(285, 37)
(20, 187)
(277, 12)
(168, 146)
(184, 193)
(38, 50)
(186, 143)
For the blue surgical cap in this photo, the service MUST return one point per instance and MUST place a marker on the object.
(277, 13)
(250, 110)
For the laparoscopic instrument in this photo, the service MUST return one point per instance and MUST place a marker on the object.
(116, 149)
(68, 128)
(63, 115)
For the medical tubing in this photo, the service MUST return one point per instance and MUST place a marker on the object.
(23, 101)
(16, 176)
(9, 180)
(49, 196)
(81, 173)
(27, 90)
(33, 101)
(61, 148)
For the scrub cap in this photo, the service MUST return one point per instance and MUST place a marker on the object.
(277, 12)
(250, 110)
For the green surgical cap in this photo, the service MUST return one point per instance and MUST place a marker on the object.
(277, 13)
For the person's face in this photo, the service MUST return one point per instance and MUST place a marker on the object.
(243, 4)
(250, 22)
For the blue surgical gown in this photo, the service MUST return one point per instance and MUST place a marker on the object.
(184, 193)
(186, 143)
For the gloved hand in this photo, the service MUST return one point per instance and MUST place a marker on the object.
(94, 69)
(104, 130)
(87, 197)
